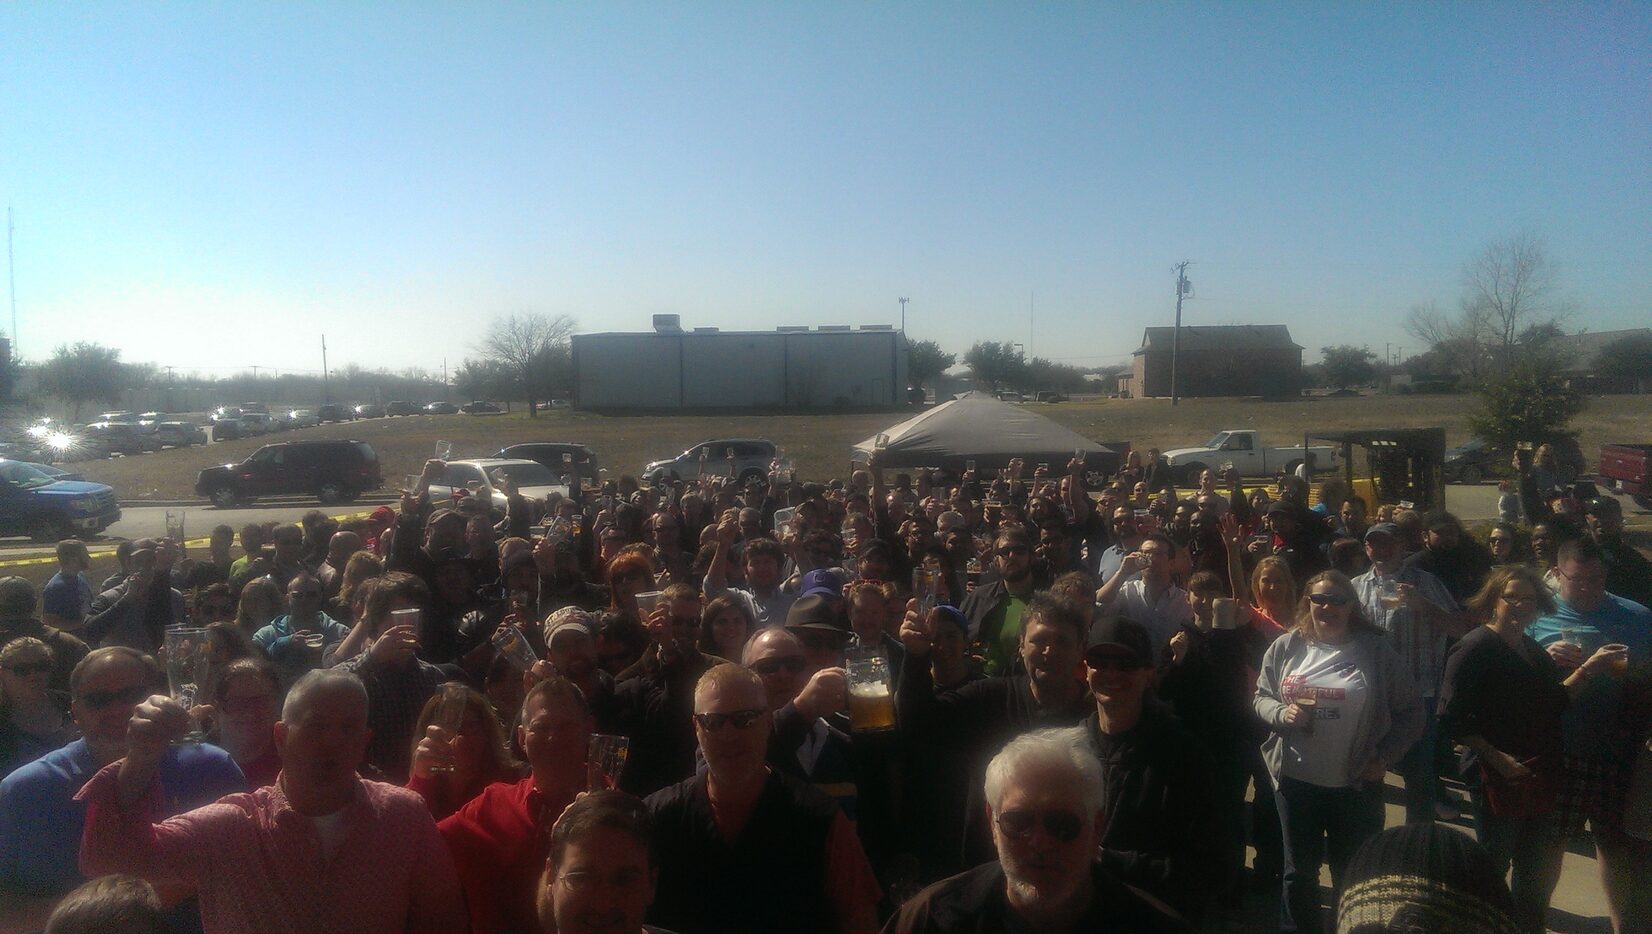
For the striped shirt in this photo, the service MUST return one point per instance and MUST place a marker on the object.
(1420, 643)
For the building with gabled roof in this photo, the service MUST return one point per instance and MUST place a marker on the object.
(1218, 360)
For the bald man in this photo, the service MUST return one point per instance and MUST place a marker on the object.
(321, 849)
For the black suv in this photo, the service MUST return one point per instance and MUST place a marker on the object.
(557, 456)
(334, 412)
(331, 471)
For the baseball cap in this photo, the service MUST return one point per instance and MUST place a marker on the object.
(816, 612)
(442, 515)
(568, 619)
(1121, 633)
(953, 615)
(821, 581)
(16, 598)
(1384, 528)
(1604, 506)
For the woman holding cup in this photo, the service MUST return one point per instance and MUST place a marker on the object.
(460, 751)
(1327, 758)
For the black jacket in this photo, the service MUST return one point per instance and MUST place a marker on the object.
(1164, 823)
(975, 902)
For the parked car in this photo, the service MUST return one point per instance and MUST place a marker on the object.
(257, 423)
(1627, 468)
(400, 408)
(1051, 396)
(301, 418)
(50, 510)
(179, 434)
(480, 408)
(1243, 448)
(118, 418)
(151, 419)
(225, 411)
(476, 475)
(558, 456)
(56, 473)
(228, 429)
(108, 438)
(1476, 459)
(740, 458)
(258, 407)
(441, 408)
(334, 412)
(369, 410)
(332, 471)
(1011, 396)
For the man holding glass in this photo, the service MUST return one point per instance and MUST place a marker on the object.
(321, 849)
(41, 823)
(744, 848)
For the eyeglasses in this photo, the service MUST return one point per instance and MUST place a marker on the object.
(712, 722)
(127, 697)
(1598, 580)
(24, 669)
(583, 881)
(1062, 826)
(768, 666)
(1518, 599)
(1328, 599)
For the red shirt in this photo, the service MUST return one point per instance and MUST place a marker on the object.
(499, 841)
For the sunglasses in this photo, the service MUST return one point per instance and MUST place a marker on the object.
(126, 697)
(1105, 661)
(24, 669)
(768, 666)
(1328, 599)
(712, 722)
(1062, 826)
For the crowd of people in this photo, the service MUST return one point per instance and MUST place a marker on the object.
(916, 703)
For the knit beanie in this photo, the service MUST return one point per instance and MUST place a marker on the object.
(1423, 878)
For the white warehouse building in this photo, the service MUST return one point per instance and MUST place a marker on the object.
(829, 367)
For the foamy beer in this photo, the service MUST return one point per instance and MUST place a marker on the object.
(871, 695)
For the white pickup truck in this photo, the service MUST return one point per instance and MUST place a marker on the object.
(1243, 449)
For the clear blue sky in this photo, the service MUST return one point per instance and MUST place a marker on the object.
(215, 185)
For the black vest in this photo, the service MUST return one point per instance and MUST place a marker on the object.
(772, 878)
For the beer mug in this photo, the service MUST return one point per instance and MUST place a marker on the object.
(924, 588)
(175, 526)
(871, 691)
(605, 761)
(444, 450)
(450, 716)
(188, 663)
(511, 644)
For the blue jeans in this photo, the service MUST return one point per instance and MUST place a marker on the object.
(1417, 768)
(1534, 846)
(1321, 825)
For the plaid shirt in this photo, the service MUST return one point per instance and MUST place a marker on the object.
(1421, 644)
(395, 696)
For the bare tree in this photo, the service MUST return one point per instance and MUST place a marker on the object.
(1508, 289)
(522, 344)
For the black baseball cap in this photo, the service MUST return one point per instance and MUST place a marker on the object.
(1119, 633)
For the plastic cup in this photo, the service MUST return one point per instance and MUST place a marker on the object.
(188, 663)
(646, 602)
(450, 716)
(605, 761)
(513, 645)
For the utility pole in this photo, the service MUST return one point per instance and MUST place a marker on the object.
(1182, 288)
(326, 387)
(11, 279)
(444, 379)
(903, 302)
(1032, 322)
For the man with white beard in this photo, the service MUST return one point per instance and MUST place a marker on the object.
(1046, 798)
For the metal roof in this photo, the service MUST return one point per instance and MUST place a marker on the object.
(1220, 337)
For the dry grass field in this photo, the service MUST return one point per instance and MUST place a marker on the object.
(820, 443)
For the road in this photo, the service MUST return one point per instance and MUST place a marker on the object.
(150, 522)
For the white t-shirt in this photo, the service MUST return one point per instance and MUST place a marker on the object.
(330, 828)
(1329, 675)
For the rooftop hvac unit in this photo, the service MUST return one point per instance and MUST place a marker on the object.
(833, 328)
(705, 330)
(793, 329)
(877, 327)
(668, 324)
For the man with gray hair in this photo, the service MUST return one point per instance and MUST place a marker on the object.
(1046, 799)
(321, 849)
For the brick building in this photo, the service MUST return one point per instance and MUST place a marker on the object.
(1220, 360)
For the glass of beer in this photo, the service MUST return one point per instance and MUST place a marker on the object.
(871, 692)
(450, 716)
(924, 589)
(1620, 665)
(1307, 702)
(514, 646)
(605, 761)
(1388, 593)
(175, 526)
(188, 664)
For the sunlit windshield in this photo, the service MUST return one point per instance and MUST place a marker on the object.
(526, 474)
(1216, 439)
(21, 474)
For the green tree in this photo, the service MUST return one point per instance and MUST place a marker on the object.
(1628, 360)
(1045, 374)
(526, 346)
(996, 364)
(1528, 401)
(1345, 365)
(86, 372)
(925, 360)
